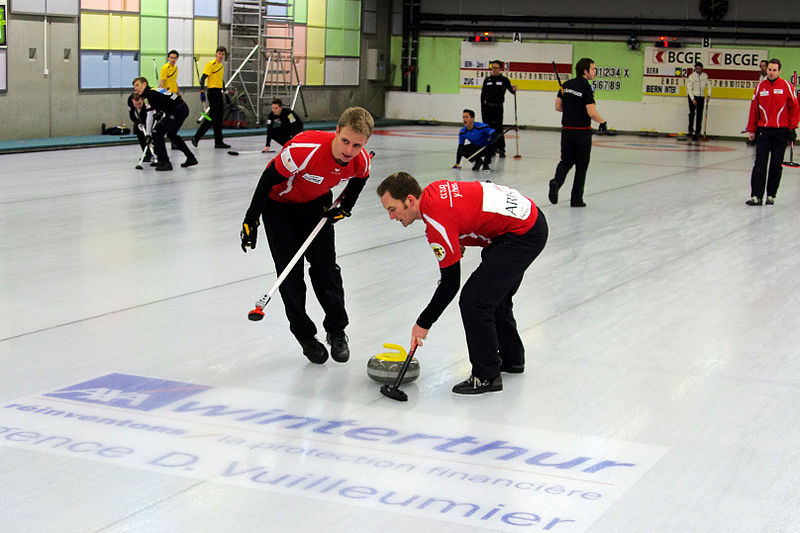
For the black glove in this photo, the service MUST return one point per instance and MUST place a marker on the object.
(793, 135)
(202, 96)
(249, 234)
(147, 140)
(602, 128)
(335, 214)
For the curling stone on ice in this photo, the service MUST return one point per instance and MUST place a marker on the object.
(385, 367)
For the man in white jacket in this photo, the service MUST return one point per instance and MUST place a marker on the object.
(696, 86)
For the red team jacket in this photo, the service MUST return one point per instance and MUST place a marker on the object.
(471, 214)
(311, 171)
(774, 105)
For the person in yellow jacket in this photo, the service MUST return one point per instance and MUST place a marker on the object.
(212, 78)
(169, 73)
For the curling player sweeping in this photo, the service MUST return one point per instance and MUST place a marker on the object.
(512, 232)
(293, 193)
(142, 120)
(175, 112)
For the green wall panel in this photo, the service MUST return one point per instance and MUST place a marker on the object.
(153, 35)
(334, 42)
(395, 61)
(156, 8)
(352, 14)
(146, 67)
(335, 14)
(789, 58)
(439, 64)
(352, 43)
(301, 11)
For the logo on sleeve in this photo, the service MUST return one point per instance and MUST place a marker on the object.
(438, 251)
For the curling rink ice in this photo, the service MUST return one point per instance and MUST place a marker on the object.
(661, 322)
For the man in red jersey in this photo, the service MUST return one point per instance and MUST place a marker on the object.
(773, 118)
(293, 193)
(512, 231)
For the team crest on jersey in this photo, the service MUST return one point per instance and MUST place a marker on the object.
(438, 251)
(313, 179)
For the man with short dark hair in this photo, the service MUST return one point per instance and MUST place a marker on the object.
(474, 137)
(512, 232)
(169, 73)
(763, 74)
(696, 86)
(141, 122)
(282, 124)
(493, 94)
(175, 112)
(575, 102)
(213, 73)
(774, 116)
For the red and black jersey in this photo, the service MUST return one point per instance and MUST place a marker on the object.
(774, 105)
(307, 163)
(472, 213)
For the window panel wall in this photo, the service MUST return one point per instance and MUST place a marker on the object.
(154, 8)
(333, 35)
(118, 37)
(205, 8)
(181, 8)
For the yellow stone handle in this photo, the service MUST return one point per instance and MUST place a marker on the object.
(399, 355)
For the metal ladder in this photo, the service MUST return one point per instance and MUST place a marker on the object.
(271, 72)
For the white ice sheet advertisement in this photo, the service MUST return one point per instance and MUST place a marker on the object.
(499, 476)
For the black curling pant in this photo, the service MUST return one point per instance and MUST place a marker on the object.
(492, 114)
(216, 110)
(486, 300)
(170, 125)
(484, 158)
(287, 226)
(696, 114)
(576, 148)
(770, 149)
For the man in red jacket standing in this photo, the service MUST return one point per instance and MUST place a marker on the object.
(773, 118)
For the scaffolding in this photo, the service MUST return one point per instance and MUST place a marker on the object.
(271, 72)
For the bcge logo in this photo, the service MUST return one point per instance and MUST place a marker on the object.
(130, 392)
